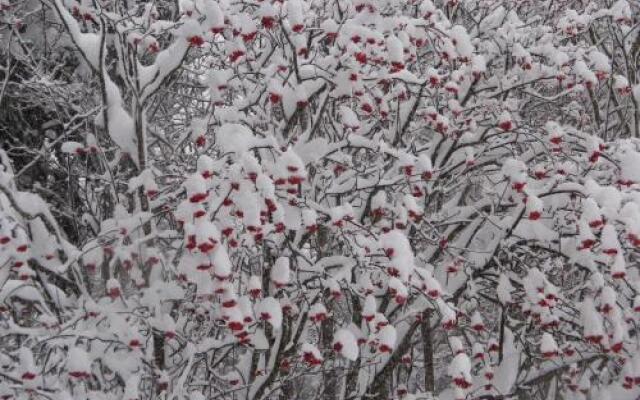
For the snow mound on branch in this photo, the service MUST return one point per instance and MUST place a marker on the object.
(121, 126)
(630, 164)
(312, 150)
(345, 343)
(507, 372)
(236, 138)
(18, 288)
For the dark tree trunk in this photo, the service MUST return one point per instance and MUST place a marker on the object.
(427, 346)
(330, 376)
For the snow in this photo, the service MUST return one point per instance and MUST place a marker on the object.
(591, 212)
(398, 290)
(28, 292)
(586, 75)
(609, 240)
(478, 65)
(619, 267)
(78, 362)
(89, 43)
(72, 147)
(456, 345)
(514, 169)
(591, 320)
(410, 203)
(214, 17)
(630, 166)
(424, 163)
(548, 345)
(121, 127)
(504, 289)
(309, 219)
(346, 342)
(370, 307)
(608, 297)
(222, 267)
(295, 13)
(254, 285)
(608, 198)
(269, 309)
(311, 353)
(27, 367)
(387, 338)
(432, 286)
(268, 10)
(395, 50)
(379, 201)
(259, 340)
(460, 368)
(476, 321)
(195, 184)
(600, 61)
(292, 162)
(131, 388)
(349, 118)
(392, 169)
(233, 316)
(463, 45)
(478, 351)
(397, 248)
(219, 78)
(280, 271)
(427, 8)
(317, 312)
(621, 11)
(235, 138)
(333, 286)
(507, 371)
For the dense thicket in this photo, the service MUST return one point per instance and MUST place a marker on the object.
(220, 199)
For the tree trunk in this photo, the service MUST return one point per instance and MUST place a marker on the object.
(379, 389)
(427, 343)
(351, 383)
(158, 349)
(331, 382)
